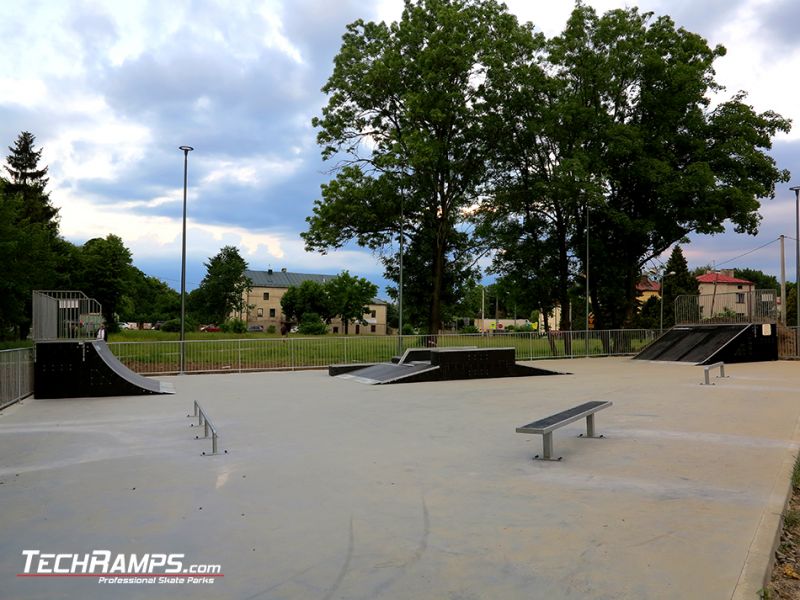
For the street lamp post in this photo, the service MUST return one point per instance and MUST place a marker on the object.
(400, 280)
(796, 190)
(186, 150)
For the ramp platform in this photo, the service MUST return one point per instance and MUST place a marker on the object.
(443, 364)
(83, 369)
(706, 344)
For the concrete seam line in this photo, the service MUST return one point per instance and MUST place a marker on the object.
(768, 531)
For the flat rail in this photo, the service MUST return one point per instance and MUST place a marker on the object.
(203, 421)
(707, 370)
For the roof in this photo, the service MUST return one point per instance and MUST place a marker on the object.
(645, 284)
(285, 279)
(720, 278)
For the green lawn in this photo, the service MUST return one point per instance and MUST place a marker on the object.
(159, 352)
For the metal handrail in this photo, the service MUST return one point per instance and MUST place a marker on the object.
(202, 419)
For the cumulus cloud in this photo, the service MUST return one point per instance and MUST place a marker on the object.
(112, 89)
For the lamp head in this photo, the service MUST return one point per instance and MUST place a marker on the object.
(186, 149)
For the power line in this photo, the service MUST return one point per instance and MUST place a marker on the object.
(746, 253)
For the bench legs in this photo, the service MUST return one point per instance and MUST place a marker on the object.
(547, 448)
(547, 440)
(590, 428)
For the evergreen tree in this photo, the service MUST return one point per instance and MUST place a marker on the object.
(681, 283)
(23, 162)
(28, 179)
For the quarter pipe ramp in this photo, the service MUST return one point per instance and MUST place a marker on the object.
(80, 369)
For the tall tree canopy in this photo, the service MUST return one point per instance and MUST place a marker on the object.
(458, 116)
(310, 297)
(222, 291)
(404, 118)
(349, 297)
(661, 162)
(104, 273)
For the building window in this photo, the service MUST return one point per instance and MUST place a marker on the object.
(372, 328)
(738, 287)
(272, 313)
(358, 329)
(260, 312)
(739, 298)
(335, 330)
(373, 314)
(266, 295)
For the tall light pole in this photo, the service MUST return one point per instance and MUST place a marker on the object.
(400, 281)
(796, 190)
(186, 150)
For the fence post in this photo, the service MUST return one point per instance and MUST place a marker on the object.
(291, 352)
(239, 354)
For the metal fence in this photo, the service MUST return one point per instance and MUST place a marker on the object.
(16, 375)
(65, 315)
(758, 306)
(788, 342)
(262, 354)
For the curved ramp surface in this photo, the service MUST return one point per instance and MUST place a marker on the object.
(83, 369)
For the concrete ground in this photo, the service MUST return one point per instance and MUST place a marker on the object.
(334, 489)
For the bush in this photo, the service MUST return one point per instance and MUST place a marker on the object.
(408, 329)
(171, 325)
(174, 325)
(312, 324)
(271, 329)
(234, 326)
(469, 329)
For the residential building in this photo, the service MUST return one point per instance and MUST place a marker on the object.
(646, 288)
(263, 302)
(726, 293)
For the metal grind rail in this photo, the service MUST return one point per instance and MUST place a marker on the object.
(202, 420)
(707, 369)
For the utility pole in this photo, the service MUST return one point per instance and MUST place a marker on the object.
(784, 304)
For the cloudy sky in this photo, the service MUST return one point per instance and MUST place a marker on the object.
(111, 89)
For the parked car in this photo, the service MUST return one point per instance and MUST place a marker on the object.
(210, 328)
(255, 328)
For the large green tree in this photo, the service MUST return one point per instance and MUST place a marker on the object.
(221, 293)
(310, 297)
(349, 297)
(148, 299)
(28, 262)
(31, 253)
(404, 121)
(661, 160)
(104, 273)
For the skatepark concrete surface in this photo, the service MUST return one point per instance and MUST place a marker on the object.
(333, 489)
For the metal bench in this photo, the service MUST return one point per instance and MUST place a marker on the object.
(546, 426)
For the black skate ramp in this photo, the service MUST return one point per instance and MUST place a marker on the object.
(706, 344)
(443, 364)
(84, 369)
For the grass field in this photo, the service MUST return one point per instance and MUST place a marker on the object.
(157, 352)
